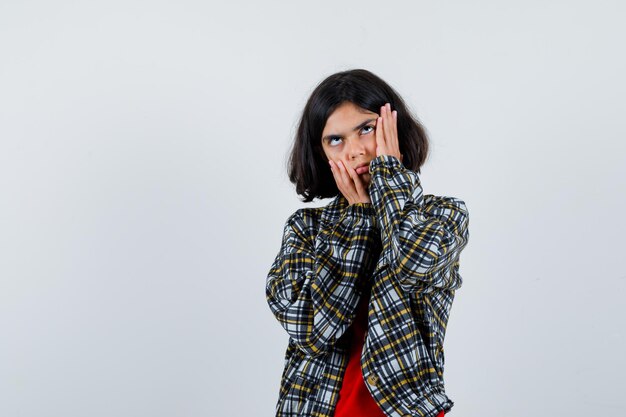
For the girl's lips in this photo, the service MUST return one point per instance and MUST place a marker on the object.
(363, 169)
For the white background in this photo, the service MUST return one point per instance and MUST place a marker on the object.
(143, 190)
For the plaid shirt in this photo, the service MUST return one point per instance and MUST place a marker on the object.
(404, 248)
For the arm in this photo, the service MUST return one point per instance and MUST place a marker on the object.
(422, 241)
(313, 291)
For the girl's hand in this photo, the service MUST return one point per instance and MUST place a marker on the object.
(387, 133)
(349, 183)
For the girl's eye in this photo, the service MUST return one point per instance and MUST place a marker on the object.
(371, 127)
(332, 138)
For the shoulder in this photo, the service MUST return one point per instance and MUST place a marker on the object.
(306, 216)
(303, 223)
(318, 217)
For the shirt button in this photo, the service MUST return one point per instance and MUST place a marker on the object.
(372, 379)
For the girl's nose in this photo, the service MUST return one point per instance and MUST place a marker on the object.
(354, 148)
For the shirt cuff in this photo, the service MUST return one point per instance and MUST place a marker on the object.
(387, 161)
(361, 209)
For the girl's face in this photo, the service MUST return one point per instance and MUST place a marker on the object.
(350, 136)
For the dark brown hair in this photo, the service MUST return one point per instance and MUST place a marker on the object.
(308, 167)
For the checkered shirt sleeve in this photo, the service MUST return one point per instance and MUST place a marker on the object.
(422, 239)
(314, 284)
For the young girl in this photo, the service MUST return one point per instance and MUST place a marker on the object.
(364, 285)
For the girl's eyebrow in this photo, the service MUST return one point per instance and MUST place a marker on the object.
(359, 127)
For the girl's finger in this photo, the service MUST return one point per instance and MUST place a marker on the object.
(349, 175)
(360, 186)
(394, 131)
(391, 131)
(345, 177)
(387, 123)
(336, 171)
(337, 176)
(380, 140)
(334, 166)
(352, 173)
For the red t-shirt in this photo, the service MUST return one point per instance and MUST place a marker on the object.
(354, 398)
